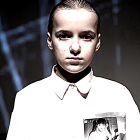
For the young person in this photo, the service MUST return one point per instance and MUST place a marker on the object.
(55, 107)
(100, 131)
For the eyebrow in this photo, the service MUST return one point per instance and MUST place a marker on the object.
(88, 32)
(67, 31)
(63, 31)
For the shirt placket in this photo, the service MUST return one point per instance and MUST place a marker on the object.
(72, 98)
(71, 92)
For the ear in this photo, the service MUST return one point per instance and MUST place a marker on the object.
(49, 41)
(98, 43)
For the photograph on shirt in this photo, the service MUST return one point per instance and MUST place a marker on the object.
(106, 126)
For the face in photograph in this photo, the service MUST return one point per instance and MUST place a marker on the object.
(101, 127)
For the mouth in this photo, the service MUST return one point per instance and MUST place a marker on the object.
(74, 59)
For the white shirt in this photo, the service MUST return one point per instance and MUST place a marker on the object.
(53, 109)
(98, 136)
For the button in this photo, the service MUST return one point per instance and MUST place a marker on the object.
(72, 86)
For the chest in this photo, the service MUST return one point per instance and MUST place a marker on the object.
(74, 116)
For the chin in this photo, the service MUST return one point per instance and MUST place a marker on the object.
(74, 71)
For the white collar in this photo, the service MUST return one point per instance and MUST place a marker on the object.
(60, 86)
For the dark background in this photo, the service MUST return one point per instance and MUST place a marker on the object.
(25, 57)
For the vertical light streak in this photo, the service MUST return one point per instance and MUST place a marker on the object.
(10, 61)
(46, 53)
(4, 111)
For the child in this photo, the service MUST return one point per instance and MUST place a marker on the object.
(54, 108)
(100, 132)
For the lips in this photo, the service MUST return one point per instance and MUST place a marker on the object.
(74, 59)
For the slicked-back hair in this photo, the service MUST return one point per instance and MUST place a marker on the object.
(73, 5)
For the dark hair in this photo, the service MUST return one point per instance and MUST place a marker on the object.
(96, 122)
(72, 4)
(101, 121)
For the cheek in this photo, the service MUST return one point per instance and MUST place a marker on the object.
(60, 47)
(89, 47)
(59, 53)
(89, 53)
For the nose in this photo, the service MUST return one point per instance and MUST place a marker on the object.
(75, 47)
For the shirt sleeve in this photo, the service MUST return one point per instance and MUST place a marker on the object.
(16, 127)
(132, 117)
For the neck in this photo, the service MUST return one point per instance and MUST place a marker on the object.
(71, 77)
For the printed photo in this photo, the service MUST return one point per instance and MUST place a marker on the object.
(106, 128)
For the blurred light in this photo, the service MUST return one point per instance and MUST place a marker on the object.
(12, 68)
(4, 111)
(57, 1)
(118, 55)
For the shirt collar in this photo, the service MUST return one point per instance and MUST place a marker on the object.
(83, 85)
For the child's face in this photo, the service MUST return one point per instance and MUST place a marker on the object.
(101, 127)
(74, 39)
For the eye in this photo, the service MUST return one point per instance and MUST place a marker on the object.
(87, 37)
(63, 36)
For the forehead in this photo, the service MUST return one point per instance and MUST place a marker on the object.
(101, 124)
(76, 19)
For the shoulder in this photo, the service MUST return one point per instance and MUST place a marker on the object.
(109, 86)
(35, 89)
(92, 134)
(106, 82)
(35, 95)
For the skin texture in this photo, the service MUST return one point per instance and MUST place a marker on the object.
(74, 41)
